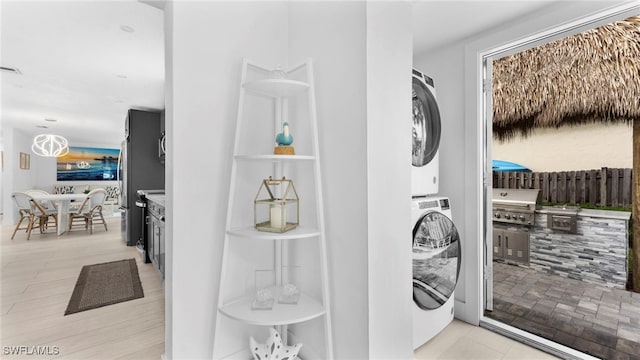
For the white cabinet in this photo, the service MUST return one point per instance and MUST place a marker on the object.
(253, 260)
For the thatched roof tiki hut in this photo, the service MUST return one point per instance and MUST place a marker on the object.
(590, 77)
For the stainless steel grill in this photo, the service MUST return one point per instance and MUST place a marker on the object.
(515, 206)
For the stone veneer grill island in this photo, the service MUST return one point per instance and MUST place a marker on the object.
(596, 253)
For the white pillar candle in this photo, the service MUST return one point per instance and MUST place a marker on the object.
(278, 216)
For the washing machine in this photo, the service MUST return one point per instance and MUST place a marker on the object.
(436, 266)
(425, 136)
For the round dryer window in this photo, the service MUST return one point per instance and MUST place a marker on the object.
(436, 260)
(426, 124)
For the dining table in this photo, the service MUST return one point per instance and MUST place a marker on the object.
(62, 201)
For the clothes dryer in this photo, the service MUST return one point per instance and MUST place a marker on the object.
(436, 266)
(425, 136)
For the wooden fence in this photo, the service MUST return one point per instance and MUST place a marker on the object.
(603, 187)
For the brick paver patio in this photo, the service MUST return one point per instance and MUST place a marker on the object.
(591, 318)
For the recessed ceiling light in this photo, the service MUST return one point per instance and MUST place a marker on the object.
(127, 28)
(42, 126)
(50, 120)
(122, 76)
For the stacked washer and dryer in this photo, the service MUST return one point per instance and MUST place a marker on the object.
(436, 243)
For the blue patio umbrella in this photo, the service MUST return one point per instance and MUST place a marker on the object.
(501, 165)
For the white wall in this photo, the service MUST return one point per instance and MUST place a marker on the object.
(333, 34)
(457, 74)
(364, 153)
(168, 179)
(23, 179)
(207, 45)
(582, 147)
(2, 172)
(14, 178)
(389, 49)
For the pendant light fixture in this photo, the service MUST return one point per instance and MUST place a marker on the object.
(50, 145)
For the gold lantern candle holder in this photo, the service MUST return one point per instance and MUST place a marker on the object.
(276, 206)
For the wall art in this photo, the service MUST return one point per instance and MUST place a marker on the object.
(87, 163)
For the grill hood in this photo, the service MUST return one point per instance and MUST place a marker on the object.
(516, 197)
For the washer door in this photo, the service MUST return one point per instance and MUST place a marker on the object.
(436, 260)
(426, 124)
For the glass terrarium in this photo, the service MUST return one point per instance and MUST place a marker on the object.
(276, 207)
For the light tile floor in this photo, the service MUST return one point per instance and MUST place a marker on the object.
(464, 341)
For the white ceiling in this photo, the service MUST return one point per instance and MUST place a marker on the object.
(80, 68)
(438, 23)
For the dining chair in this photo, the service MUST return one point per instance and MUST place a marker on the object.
(48, 205)
(34, 214)
(89, 211)
(47, 216)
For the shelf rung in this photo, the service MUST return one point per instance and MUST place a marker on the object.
(301, 232)
(276, 87)
(306, 309)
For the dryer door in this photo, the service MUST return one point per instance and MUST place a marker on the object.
(436, 260)
(426, 124)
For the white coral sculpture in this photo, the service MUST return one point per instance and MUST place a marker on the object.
(273, 349)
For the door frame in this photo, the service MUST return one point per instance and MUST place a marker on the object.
(479, 56)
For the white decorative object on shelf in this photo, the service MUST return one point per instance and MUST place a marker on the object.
(277, 73)
(290, 294)
(284, 141)
(274, 240)
(289, 290)
(277, 216)
(270, 206)
(264, 300)
(273, 348)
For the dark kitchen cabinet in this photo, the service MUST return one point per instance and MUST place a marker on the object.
(156, 233)
(511, 245)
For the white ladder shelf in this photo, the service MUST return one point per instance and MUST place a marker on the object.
(243, 243)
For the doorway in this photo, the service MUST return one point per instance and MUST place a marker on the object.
(537, 306)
